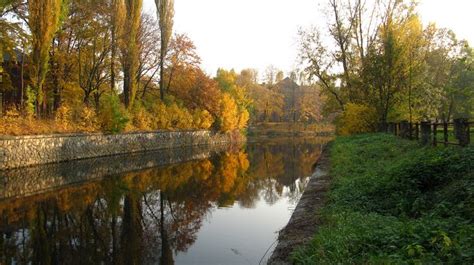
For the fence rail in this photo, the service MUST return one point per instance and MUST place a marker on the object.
(457, 132)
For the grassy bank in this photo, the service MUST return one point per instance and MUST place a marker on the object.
(394, 202)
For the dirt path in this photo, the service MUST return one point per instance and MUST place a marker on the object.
(306, 218)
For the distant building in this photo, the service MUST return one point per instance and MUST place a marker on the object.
(301, 103)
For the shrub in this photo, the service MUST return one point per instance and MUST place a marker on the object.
(142, 119)
(88, 120)
(64, 117)
(30, 102)
(202, 119)
(355, 119)
(180, 117)
(113, 115)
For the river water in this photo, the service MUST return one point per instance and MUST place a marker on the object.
(201, 205)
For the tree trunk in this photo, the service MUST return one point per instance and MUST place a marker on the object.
(126, 85)
(162, 74)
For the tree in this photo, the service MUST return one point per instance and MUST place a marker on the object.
(130, 50)
(149, 53)
(267, 103)
(279, 76)
(116, 23)
(377, 57)
(182, 54)
(43, 20)
(270, 75)
(247, 78)
(165, 14)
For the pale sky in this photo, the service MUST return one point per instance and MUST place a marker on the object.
(256, 33)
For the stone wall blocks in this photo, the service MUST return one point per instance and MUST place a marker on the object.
(27, 150)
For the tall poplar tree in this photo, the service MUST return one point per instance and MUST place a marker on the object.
(165, 14)
(43, 20)
(131, 53)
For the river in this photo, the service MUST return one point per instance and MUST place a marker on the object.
(201, 205)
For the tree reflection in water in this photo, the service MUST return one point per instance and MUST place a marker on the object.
(151, 215)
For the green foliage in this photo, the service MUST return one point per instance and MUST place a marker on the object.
(30, 102)
(394, 202)
(404, 70)
(44, 21)
(113, 115)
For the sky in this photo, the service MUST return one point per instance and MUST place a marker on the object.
(238, 34)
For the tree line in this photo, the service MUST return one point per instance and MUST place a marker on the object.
(106, 66)
(376, 62)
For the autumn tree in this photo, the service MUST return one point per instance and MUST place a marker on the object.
(279, 76)
(380, 58)
(116, 25)
(247, 77)
(233, 95)
(79, 52)
(43, 19)
(165, 14)
(270, 75)
(149, 53)
(182, 55)
(267, 103)
(130, 50)
(93, 52)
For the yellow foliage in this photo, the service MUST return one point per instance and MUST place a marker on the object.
(180, 117)
(142, 119)
(161, 119)
(229, 114)
(243, 119)
(63, 117)
(357, 118)
(203, 119)
(88, 120)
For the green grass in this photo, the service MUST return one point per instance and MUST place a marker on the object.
(395, 202)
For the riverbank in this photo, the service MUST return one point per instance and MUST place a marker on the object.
(305, 219)
(21, 151)
(395, 202)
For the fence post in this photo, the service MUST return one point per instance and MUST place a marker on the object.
(389, 127)
(417, 131)
(404, 129)
(411, 131)
(461, 131)
(435, 132)
(425, 132)
(445, 132)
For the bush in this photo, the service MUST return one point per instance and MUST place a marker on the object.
(142, 119)
(88, 120)
(64, 117)
(355, 119)
(113, 115)
(202, 119)
(30, 102)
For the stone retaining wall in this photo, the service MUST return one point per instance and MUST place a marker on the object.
(21, 151)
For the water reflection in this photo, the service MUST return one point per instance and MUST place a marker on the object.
(155, 214)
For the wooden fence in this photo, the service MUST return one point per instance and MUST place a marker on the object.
(457, 132)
